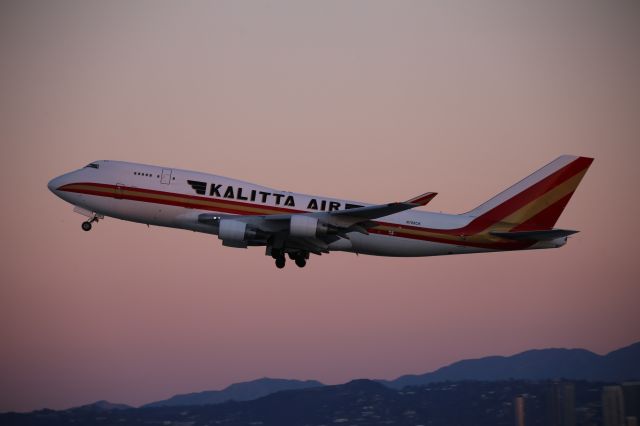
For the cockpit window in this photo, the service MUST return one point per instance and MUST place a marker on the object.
(93, 166)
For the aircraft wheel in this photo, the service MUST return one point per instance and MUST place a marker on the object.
(86, 226)
(301, 262)
(280, 262)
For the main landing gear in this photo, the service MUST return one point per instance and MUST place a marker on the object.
(300, 258)
(301, 262)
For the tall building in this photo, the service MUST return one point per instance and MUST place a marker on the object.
(613, 406)
(562, 404)
(518, 405)
(631, 393)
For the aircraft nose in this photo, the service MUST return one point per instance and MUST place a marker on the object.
(54, 184)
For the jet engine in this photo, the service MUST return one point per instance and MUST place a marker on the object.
(235, 233)
(307, 227)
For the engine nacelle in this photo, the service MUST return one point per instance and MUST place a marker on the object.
(235, 233)
(232, 230)
(307, 227)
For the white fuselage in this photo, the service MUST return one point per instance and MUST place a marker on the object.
(175, 198)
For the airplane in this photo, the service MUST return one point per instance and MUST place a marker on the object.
(295, 225)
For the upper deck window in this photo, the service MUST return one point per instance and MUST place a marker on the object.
(93, 166)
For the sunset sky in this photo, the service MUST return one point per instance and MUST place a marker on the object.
(364, 100)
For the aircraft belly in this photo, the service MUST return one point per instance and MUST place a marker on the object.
(383, 245)
(180, 217)
(144, 212)
(91, 202)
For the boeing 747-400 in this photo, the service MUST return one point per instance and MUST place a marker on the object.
(290, 224)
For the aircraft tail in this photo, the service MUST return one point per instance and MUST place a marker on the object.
(536, 202)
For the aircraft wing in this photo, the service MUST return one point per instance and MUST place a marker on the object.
(422, 200)
(339, 222)
(349, 217)
(319, 229)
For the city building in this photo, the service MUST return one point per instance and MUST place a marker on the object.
(562, 404)
(518, 405)
(631, 393)
(613, 406)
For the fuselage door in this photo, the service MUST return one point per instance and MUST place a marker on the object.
(166, 176)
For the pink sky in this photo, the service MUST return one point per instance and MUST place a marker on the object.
(371, 101)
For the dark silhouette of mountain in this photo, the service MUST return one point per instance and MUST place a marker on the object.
(103, 406)
(244, 391)
(538, 364)
(361, 402)
(477, 392)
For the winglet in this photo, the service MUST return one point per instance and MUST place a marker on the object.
(422, 200)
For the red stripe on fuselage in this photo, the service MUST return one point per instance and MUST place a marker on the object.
(114, 194)
(230, 204)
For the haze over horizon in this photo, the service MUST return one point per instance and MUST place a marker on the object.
(369, 101)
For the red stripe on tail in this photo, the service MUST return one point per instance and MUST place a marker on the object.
(545, 219)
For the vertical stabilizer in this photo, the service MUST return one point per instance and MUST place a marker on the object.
(536, 202)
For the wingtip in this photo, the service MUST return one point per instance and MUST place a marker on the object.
(423, 199)
(573, 157)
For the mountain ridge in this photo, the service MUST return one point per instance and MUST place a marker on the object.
(102, 405)
(363, 402)
(243, 391)
(535, 364)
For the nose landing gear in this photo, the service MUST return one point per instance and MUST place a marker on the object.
(92, 217)
(86, 226)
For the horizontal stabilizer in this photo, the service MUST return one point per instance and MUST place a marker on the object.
(546, 235)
